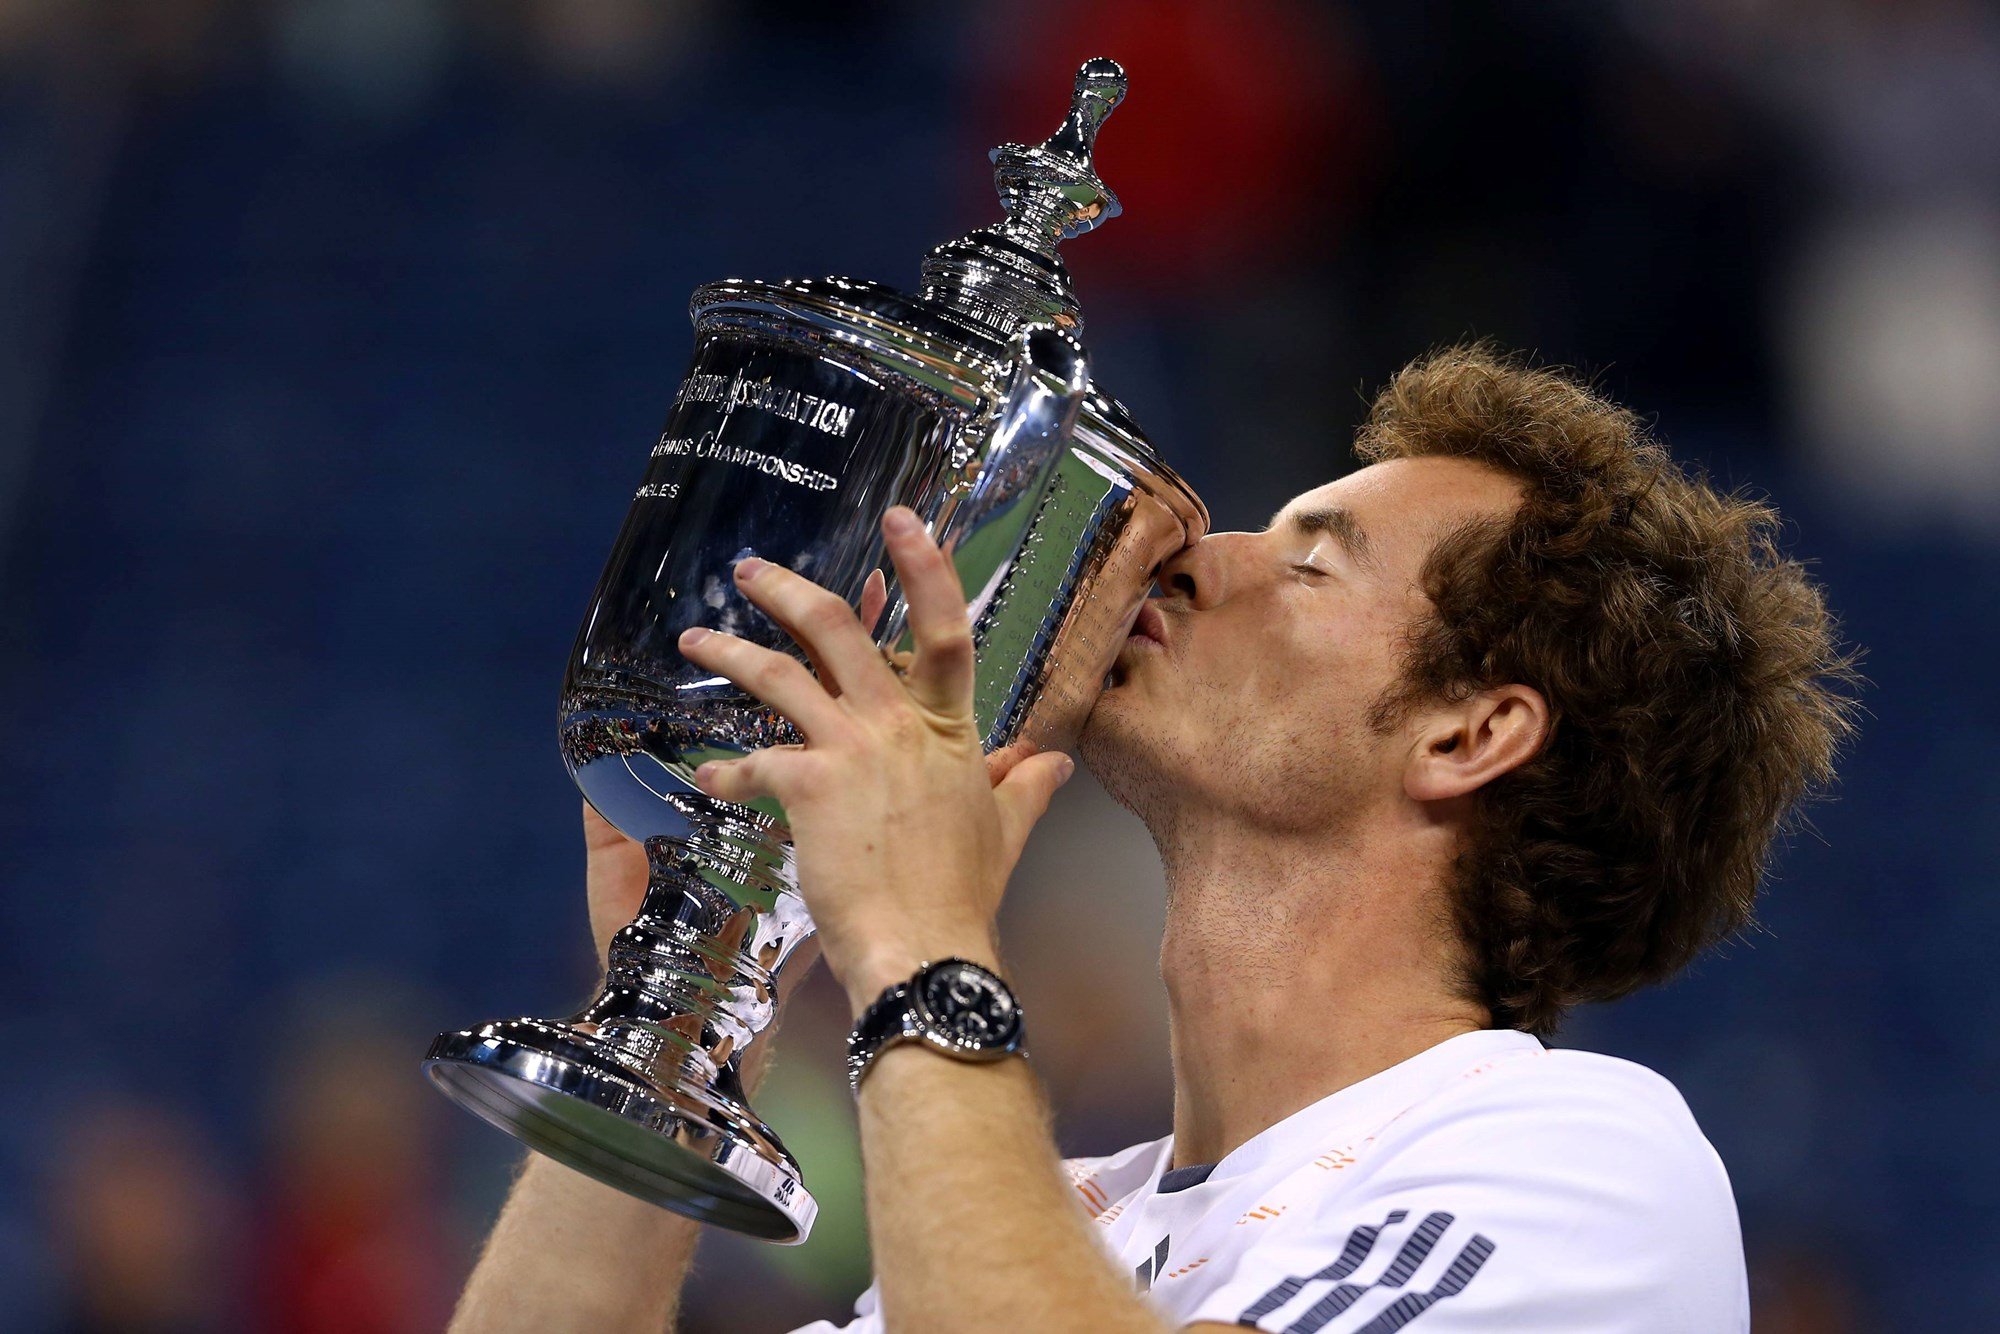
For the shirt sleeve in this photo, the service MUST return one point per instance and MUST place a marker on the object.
(867, 1318)
(1598, 1211)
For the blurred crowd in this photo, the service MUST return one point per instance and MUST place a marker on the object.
(333, 334)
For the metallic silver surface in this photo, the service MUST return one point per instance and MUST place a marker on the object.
(811, 407)
(1005, 276)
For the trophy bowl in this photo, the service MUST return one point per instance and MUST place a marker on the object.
(811, 407)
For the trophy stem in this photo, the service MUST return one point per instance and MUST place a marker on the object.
(642, 1089)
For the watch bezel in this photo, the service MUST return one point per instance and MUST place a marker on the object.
(933, 1029)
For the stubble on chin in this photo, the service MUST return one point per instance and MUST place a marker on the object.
(1126, 758)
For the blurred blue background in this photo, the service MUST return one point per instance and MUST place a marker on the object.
(332, 337)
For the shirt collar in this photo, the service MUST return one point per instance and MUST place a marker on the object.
(1349, 1115)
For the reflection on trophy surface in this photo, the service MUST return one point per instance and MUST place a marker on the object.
(809, 409)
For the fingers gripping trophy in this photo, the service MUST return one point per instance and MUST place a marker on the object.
(810, 408)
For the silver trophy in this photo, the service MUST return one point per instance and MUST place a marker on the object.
(810, 408)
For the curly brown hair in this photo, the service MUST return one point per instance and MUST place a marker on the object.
(1696, 687)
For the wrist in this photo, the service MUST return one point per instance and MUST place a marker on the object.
(891, 963)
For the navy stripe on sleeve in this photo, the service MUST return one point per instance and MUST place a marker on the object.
(1342, 1296)
(1359, 1243)
(1413, 1304)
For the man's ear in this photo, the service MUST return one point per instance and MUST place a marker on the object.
(1460, 749)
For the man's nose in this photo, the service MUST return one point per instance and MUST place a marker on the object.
(1200, 573)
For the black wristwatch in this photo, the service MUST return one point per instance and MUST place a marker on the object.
(952, 1006)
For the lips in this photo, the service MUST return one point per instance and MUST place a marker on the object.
(1150, 623)
(1147, 635)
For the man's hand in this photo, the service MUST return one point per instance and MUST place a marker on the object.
(906, 836)
(905, 833)
(614, 878)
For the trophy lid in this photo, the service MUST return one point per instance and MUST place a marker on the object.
(951, 343)
(1008, 275)
(978, 291)
(950, 347)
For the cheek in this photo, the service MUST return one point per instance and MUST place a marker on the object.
(1328, 672)
(1303, 660)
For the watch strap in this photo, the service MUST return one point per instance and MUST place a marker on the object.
(888, 1019)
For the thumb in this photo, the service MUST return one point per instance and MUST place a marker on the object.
(598, 832)
(1025, 792)
(615, 876)
(1001, 762)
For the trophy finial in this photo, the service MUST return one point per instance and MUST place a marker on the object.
(1009, 275)
(1100, 87)
(1051, 192)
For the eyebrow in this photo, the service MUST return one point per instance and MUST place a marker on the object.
(1340, 524)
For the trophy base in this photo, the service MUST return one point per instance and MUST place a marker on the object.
(683, 1149)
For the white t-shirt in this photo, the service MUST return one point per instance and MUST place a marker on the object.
(1485, 1184)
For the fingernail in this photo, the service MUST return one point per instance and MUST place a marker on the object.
(693, 635)
(901, 522)
(1068, 771)
(750, 567)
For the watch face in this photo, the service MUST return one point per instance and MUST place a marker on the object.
(970, 1006)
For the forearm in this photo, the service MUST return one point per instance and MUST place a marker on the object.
(571, 1254)
(972, 1222)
